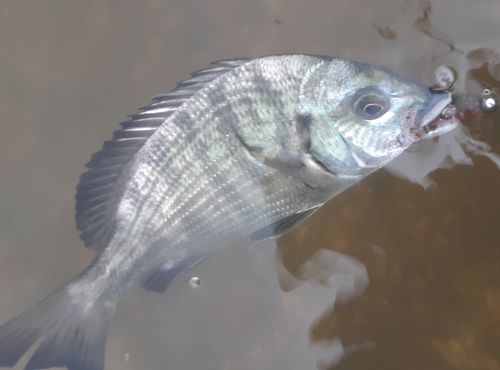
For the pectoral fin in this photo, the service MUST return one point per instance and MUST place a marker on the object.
(282, 226)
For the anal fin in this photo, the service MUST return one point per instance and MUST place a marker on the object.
(158, 280)
(282, 226)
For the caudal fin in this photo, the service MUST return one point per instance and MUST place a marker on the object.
(72, 333)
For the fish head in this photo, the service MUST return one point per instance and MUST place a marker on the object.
(368, 115)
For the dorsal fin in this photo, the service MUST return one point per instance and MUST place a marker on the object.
(94, 193)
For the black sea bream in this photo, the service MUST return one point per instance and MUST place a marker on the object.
(250, 146)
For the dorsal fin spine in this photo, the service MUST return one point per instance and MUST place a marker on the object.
(96, 192)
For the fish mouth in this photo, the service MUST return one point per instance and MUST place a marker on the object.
(435, 118)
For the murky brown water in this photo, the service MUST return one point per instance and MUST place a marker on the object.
(69, 72)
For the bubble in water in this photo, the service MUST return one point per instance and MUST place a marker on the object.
(195, 282)
(126, 357)
(444, 77)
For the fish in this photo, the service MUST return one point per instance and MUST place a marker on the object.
(249, 146)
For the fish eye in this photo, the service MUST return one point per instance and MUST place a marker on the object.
(370, 103)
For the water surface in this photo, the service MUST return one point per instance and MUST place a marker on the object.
(404, 278)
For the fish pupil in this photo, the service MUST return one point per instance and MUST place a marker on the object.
(370, 103)
(372, 109)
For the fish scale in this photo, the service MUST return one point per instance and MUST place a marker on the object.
(250, 146)
(185, 192)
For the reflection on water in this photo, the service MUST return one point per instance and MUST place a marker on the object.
(423, 23)
(70, 72)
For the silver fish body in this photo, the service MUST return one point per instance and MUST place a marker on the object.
(242, 147)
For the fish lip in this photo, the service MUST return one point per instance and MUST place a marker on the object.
(418, 124)
(434, 105)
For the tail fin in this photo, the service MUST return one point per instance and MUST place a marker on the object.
(72, 332)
